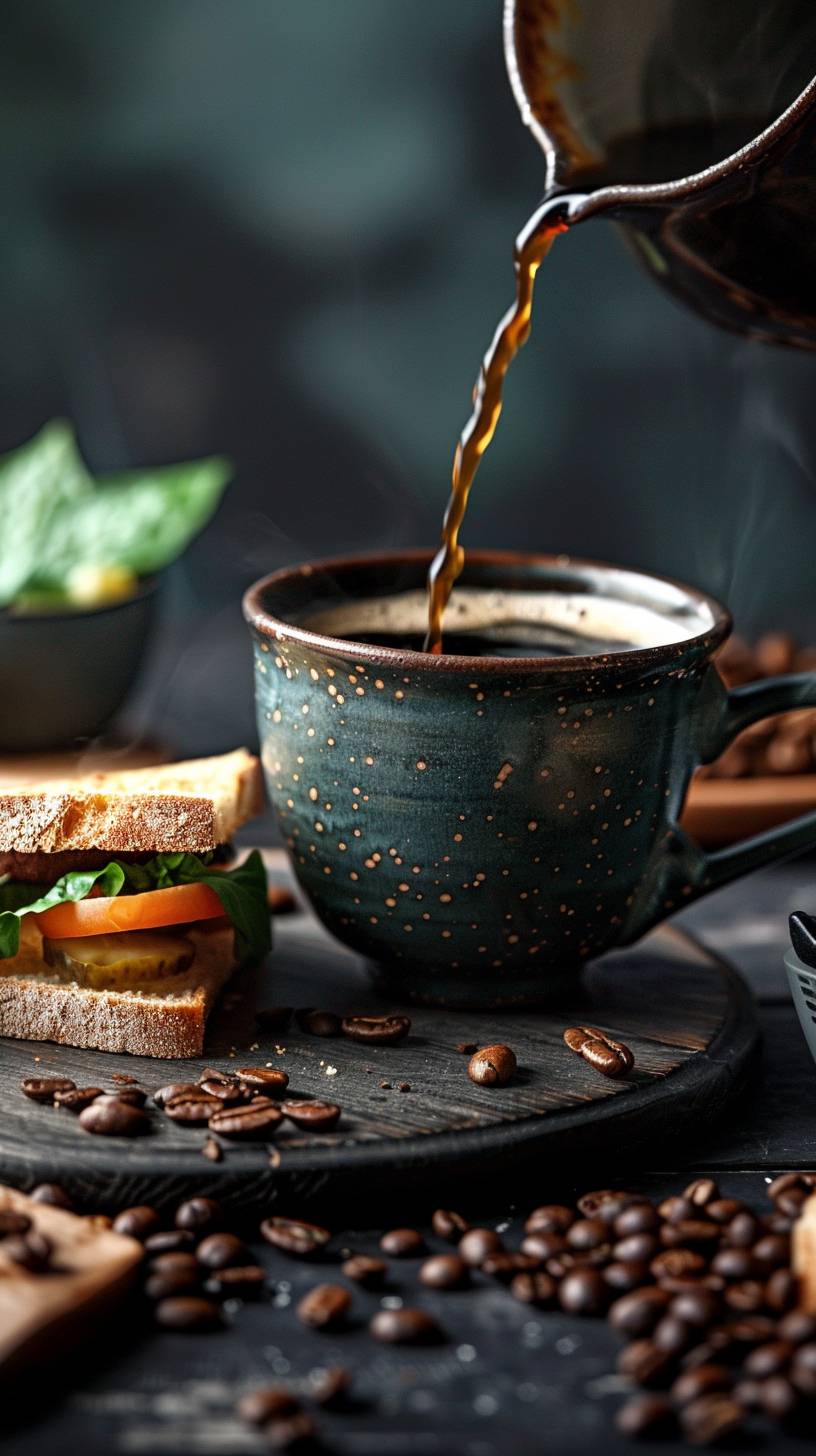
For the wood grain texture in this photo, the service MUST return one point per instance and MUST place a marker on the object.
(687, 1018)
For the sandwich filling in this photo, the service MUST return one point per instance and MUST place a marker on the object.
(125, 923)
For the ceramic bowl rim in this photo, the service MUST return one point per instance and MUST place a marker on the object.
(276, 628)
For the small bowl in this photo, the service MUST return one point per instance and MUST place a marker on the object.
(802, 982)
(64, 674)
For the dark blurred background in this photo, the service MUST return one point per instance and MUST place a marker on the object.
(282, 229)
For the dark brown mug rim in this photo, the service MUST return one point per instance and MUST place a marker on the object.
(268, 625)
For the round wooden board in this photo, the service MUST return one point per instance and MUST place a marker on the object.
(688, 1018)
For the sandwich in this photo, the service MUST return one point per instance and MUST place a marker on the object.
(121, 914)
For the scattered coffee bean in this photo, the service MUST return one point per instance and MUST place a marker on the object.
(260, 1118)
(169, 1241)
(212, 1150)
(586, 1233)
(605, 1203)
(711, 1419)
(402, 1243)
(534, 1287)
(138, 1222)
(75, 1099)
(172, 1274)
(599, 1050)
(193, 1109)
(444, 1271)
(703, 1380)
(54, 1195)
(273, 1079)
(318, 1023)
(702, 1192)
(266, 1404)
(504, 1266)
(781, 1290)
(543, 1246)
(108, 1117)
(228, 1093)
(379, 1030)
(746, 1296)
(549, 1218)
(677, 1264)
(467, 1048)
(492, 1066)
(166, 1094)
(311, 1116)
(404, 1087)
(274, 1018)
(637, 1313)
(743, 1230)
(645, 1415)
(330, 1386)
(769, 1359)
(43, 1089)
(584, 1292)
(623, 1278)
(449, 1225)
(124, 1079)
(477, 1244)
(218, 1250)
(803, 1369)
(294, 1236)
(638, 1218)
(722, 1210)
(243, 1281)
(673, 1334)
(798, 1327)
(187, 1312)
(772, 1251)
(199, 1216)
(696, 1307)
(324, 1307)
(365, 1269)
(404, 1327)
(646, 1364)
(133, 1096)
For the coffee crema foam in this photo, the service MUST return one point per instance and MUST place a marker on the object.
(518, 623)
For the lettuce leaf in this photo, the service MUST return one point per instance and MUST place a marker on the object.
(242, 892)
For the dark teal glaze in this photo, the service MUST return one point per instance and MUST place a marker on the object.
(477, 826)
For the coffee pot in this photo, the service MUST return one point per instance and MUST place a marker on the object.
(691, 124)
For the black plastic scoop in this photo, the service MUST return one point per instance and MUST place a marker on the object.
(803, 937)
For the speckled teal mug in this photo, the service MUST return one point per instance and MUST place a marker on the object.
(478, 823)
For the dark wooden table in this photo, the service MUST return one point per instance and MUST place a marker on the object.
(509, 1380)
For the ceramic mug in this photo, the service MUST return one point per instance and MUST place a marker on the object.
(477, 825)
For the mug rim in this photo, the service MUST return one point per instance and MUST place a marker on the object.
(265, 623)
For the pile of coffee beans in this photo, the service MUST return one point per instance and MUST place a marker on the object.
(782, 745)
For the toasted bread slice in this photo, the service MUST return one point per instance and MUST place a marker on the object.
(191, 806)
(164, 1019)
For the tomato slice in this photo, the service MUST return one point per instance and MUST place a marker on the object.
(105, 915)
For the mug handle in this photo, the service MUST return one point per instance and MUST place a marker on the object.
(743, 706)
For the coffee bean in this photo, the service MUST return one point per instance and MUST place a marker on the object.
(714, 1283)
(217, 1251)
(172, 1274)
(790, 1203)
(293, 1236)
(273, 1079)
(600, 1051)
(643, 1362)
(124, 1079)
(636, 1314)
(803, 1369)
(779, 1399)
(586, 1233)
(260, 1118)
(274, 1018)
(673, 1334)
(330, 1387)
(638, 1218)
(228, 1093)
(212, 1150)
(743, 1230)
(280, 900)
(42, 1089)
(290, 1433)
(199, 1216)
(636, 1249)
(645, 1415)
(169, 1241)
(477, 1244)
(754, 1330)
(444, 1271)
(703, 1380)
(187, 1312)
(606, 1203)
(698, 1307)
(175, 1089)
(31, 1250)
(317, 1023)
(504, 1266)
(676, 1209)
(193, 1109)
(492, 1066)
(138, 1222)
(265, 1404)
(772, 1251)
(747, 1296)
(677, 1264)
(12, 1223)
(723, 1210)
(781, 1290)
(243, 1281)
(692, 1233)
(734, 1263)
(711, 1419)
(535, 1287)
(798, 1327)
(404, 1327)
(778, 1223)
(133, 1096)
(467, 1048)
(108, 1117)
(75, 1099)
(702, 1192)
(365, 1269)
(803, 1183)
(379, 1030)
(550, 1218)
(583, 1292)
(622, 1278)
(402, 1243)
(313, 1116)
(447, 1224)
(748, 1394)
(543, 1246)
(54, 1195)
(770, 1359)
(324, 1307)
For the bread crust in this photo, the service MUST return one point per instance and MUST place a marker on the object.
(165, 1020)
(191, 806)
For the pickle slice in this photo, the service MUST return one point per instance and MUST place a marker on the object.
(120, 962)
